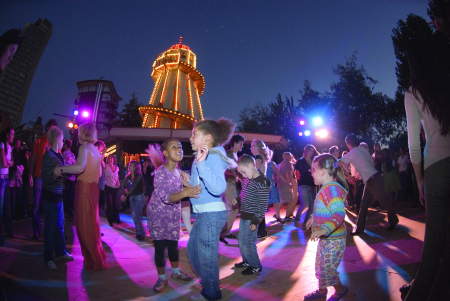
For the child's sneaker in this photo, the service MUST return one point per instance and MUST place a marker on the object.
(181, 276)
(251, 271)
(66, 257)
(241, 265)
(160, 285)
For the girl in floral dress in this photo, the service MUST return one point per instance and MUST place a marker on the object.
(164, 209)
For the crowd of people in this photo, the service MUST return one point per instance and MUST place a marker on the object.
(220, 187)
(48, 183)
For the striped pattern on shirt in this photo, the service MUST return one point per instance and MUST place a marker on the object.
(329, 210)
(254, 198)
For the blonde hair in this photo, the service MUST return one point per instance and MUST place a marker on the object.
(87, 133)
(265, 152)
(54, 133)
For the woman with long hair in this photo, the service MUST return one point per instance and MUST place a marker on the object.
(427, 105)
(87, 224)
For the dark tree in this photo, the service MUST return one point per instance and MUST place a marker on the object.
(350, 106)
(129, 116)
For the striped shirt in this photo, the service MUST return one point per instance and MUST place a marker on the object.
(329, 210)
(254, 198)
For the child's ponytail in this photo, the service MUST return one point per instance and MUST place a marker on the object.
(221, 130)
(331, 164)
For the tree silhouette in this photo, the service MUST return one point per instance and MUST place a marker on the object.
(129, 116)
(351, 105)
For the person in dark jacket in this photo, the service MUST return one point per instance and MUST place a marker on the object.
(53, 191)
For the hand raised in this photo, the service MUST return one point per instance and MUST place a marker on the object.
(202, 153)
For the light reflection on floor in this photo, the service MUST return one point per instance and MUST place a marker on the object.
(287, 257)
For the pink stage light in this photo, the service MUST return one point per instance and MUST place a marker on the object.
(85, 114)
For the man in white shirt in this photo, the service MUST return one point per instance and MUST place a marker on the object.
(373, 180)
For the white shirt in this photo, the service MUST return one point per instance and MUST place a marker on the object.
(360, 158)
(112, 177)
(437, 146)
(5, 170)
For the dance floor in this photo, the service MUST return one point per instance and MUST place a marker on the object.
(375, 265)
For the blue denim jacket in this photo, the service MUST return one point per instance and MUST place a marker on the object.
(210, 175)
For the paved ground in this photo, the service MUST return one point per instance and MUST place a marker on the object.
(374, 266)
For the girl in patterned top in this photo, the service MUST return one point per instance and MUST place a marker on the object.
(170, 187)
(327, 225)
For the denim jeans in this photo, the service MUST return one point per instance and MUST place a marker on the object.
(54, 240)
(203, 251)
(137, 203)
(247, 244)
(5, 210)
(37, 189)
(306, 199)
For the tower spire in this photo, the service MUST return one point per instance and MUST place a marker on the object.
(180, 39)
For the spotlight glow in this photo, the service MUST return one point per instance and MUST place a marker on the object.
(76, 112)
(70, 125)
(300, 134)
(85, 114)
(307, 133)
(317, 121)
(322, 133)
(301, 122)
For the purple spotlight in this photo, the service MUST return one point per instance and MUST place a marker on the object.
(302, 122)
(76, 112)
(85, 114)
(300, 134)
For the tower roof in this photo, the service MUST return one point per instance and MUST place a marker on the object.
(180, 45)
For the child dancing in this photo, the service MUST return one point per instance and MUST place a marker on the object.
(164, 209)
(208, 171)
(327, 225)
(254, 200)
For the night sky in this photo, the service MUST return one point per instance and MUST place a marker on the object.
(248, 51)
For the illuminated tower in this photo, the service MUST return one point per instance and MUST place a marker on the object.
(175, 99)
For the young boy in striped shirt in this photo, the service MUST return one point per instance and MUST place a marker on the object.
(254, 200)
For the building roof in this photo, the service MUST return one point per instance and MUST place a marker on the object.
(152, 134)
